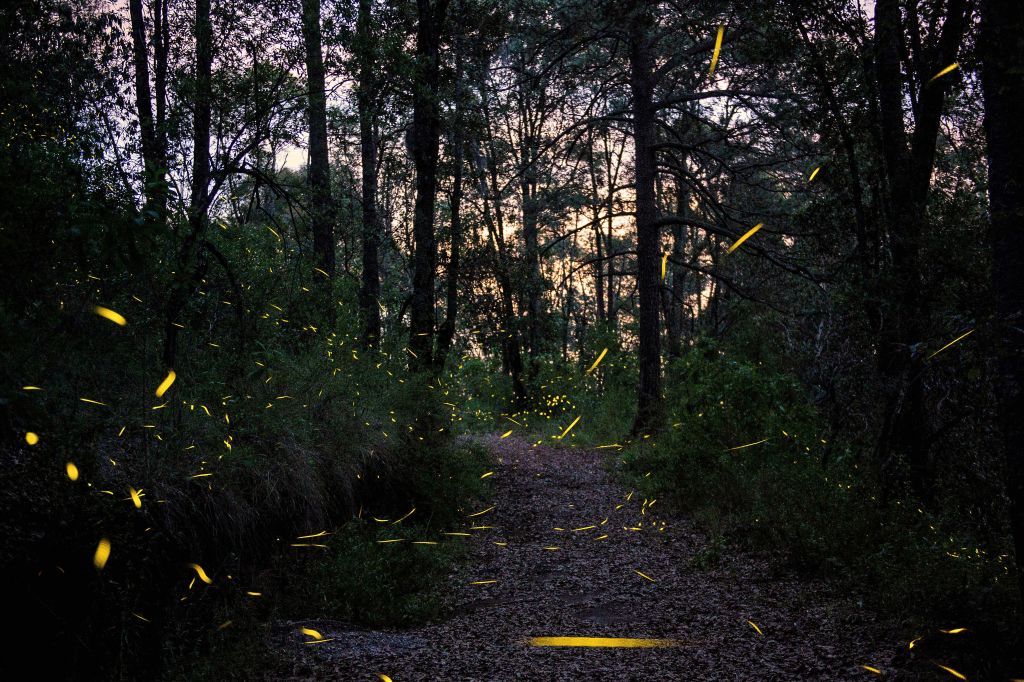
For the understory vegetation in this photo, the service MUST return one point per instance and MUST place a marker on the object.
(268, 269)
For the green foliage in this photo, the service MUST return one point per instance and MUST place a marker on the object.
(802, 494)
(370, 584)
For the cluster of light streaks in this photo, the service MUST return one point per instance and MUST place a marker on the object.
(103, 549)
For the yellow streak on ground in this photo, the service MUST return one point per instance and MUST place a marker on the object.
(644, 575)
(613, 642)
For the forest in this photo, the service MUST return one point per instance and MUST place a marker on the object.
(512, 339)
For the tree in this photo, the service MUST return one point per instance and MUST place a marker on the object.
(321, 204)
(367, 102)
(426, 132)
(152, 130)
(199, 201)
(1002, 52)
(641, 83)
(908, 167)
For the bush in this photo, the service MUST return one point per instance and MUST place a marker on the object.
(798, 493)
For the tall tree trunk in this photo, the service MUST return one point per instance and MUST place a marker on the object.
(596, 224)
(908, 170)
(641, 80)
(611, 309)
(369, 292)
(321, 206)
(1002, 52)
(426, 131)
(161, 48)
(152, 157)
(534, 282)
(447, 331)
(200, 186)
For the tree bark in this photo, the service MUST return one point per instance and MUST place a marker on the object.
(447, 332)
(426, 131)
(154, 163)
(677, 291)
(200, 185)
(598, 237)
(321, 206)
(908, 171)
(1002, 53)
(369, 292)
(641, 77)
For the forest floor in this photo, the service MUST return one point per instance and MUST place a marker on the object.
(565, 547)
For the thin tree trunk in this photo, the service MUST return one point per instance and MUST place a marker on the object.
(152, 158)
(511, 353)
(321, 206)
(161, 48)
(1002, 73)
(426, 131)
(677, 292)
(596, 224)
(641, 76)
(200, 186)
(531, 210)
(369, 292)
(611, 309)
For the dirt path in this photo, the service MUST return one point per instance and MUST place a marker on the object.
(590, 586)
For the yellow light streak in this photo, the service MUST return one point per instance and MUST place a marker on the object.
(748, 445)
(107, 313)
(750, 233)
(569, 428)
(718, 49)
(166, 384)
(201, 573)
(99, 558)
(940, 74)
(604, 642)
(957, 339)
(955, 673)
(603, 353)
